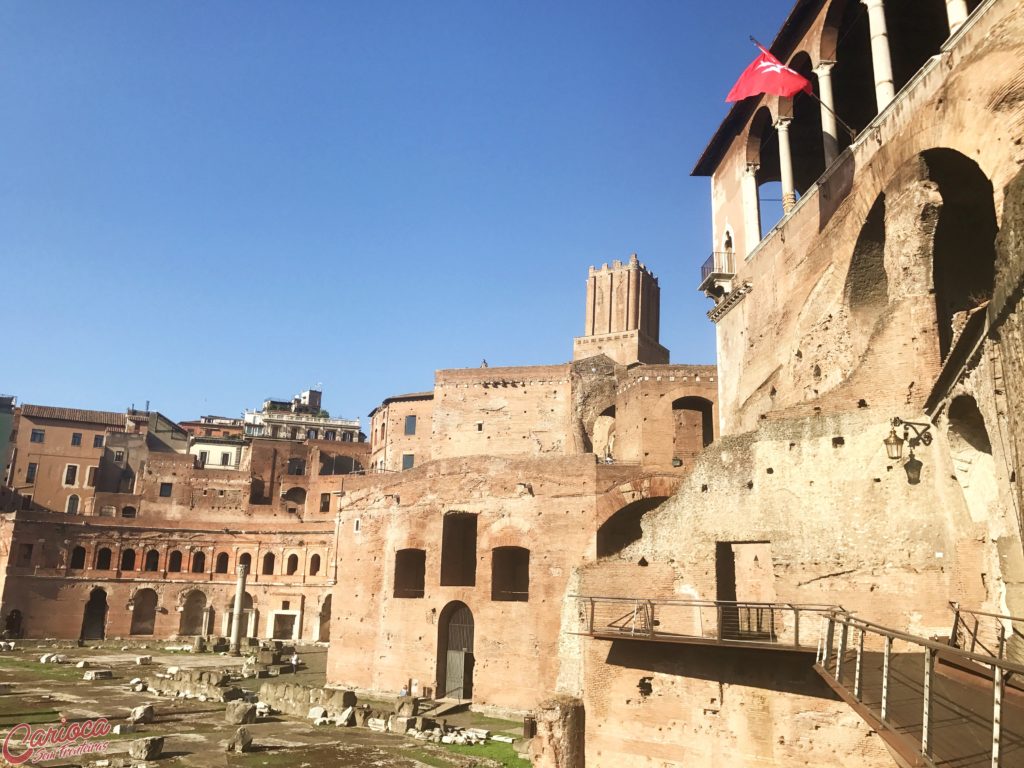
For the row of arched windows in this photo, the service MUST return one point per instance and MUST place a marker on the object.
(176, 563)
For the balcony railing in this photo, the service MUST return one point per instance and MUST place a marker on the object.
(718, 263)
(718, 622)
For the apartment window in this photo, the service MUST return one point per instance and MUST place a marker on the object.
(165, 489)
(38, 435)
(26, 502)
(410, 572)
(408, 459)
(72, 504)
(30, 473)
(128, 512)
(24, 555)
(410, 425)
(70, 474)
(225, 459)
(204, 456)
(76, 438)
(296, 467)
(118, 455)
(97, 441)
(325, 502)
(91, 479)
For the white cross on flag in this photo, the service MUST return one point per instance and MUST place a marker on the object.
(768, 75)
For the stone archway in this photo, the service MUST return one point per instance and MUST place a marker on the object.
(194, 614)
(144, 612)
(94, 619)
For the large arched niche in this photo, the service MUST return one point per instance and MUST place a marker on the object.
(963, 260)
(866, 292)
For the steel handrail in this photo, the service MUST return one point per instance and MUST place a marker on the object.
(895, 634)
(958, 608)
(714, 603)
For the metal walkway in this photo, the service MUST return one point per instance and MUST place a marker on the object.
(934, 704)
(766, 626)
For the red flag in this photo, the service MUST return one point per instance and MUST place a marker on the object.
(768, 75)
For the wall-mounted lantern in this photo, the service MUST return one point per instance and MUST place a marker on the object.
(894, 445)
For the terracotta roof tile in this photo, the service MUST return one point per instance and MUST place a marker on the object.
(107, 418)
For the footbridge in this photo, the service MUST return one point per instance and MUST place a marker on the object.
(936, 702)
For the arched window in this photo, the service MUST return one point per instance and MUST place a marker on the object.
(128, 512)
(314, 565)
(73, 504)
(222, 563)
(268, 564)
(103, 559)
(78, 557)
(174, 561)
(246, 560)
(198, 562)
(293, 564)
(128, 560)
(152, 562)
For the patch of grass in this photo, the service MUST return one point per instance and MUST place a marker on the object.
(425, 757)
(493, 750)
(34, 669)
(30, 716)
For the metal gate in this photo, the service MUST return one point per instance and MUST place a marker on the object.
(459, 653)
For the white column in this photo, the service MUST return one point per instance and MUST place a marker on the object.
(786, 165)
(751, 208)
(881, 61)
(829, 129)
(956, 12)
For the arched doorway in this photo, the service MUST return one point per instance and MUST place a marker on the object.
(143, 612)
(455, 651)
(324, 634)
(694, 428)
(12, 624)
(94, 620)
(193, 614)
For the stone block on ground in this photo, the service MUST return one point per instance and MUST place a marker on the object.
(362, 715)
(240, 713)
(82, 664)
(377, 724)
(123, 728)
(147, 749)
(424, 724)
(315, 713)
(143, 659)
(241, 741)
(142, 714)
(400, 723)
(407, 706)
(98, 674)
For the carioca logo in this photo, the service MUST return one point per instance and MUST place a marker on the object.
(54, 741)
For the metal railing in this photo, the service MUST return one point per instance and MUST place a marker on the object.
(993, 634)
(719, 262)
(889, 678)
(704, 621)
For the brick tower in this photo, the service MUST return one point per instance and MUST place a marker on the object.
(623, 308)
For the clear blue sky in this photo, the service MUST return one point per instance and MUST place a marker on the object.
(203, 204)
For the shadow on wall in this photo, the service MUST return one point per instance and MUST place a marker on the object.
(777, 671)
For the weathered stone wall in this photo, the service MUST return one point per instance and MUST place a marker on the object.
(502, 412)
(794, 339)
(549, 506)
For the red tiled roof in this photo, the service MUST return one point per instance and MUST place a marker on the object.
(107, 418)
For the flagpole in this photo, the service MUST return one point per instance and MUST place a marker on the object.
(849, 130)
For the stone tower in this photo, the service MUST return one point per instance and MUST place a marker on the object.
(623, 308)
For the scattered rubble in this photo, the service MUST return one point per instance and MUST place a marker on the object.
(241, 741)
(146, 749)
